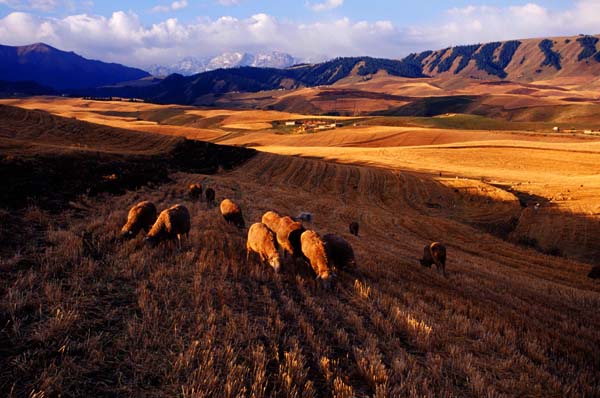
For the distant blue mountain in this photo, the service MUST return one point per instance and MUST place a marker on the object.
(61, 70)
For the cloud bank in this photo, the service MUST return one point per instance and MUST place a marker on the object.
(123, 38)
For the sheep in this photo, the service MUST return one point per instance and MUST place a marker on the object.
(435, 253)
(595, 272)
(354, 228)
(172, 223)
(271, 220)
(262, 240)
(232, 213)
(288, 236)
(140, 216)
(210, 197)
(195, 191)
(314, 250)
(304, 216)
(339, 251)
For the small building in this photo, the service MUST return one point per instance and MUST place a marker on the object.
(556, 129)
(292, 123)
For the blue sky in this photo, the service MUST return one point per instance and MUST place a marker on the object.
(141, 33)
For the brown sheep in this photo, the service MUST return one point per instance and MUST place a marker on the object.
(232, 213)
(195, 191)
(210, 197)
(314, 250)
(172, 223)
(271, 220)
(141, 216)
(435, 253)
(595, 272)
(339, 251)
(354, 228)
(262, 240)
(288, 236)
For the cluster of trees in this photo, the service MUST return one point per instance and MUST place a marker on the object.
(552, 57)
(434, 64)
(588, 47)
(408, 67)
(465, 52)
(485, 57)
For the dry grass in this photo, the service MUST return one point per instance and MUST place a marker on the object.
(84, 315)
(91, 317)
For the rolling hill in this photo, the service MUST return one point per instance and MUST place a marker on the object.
(60, 70)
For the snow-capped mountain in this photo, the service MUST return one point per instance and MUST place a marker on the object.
(191, 65)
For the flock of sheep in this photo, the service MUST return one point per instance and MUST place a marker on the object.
(265, 239)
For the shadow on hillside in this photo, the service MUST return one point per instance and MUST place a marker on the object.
(51, 181)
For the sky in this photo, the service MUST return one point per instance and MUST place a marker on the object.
(143, 33)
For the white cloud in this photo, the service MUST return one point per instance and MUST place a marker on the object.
(325, 5)
(122, 37)
(176, 5)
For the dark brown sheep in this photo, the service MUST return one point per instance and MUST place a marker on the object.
(141, 216)
(354, 228)
(210, 197)
(288, 236)
(172, 223)
(339, 251)
(314, 250)
(232, 213)
(195, 191)
(271, 220)
(595, 272)
(261, 240)
(435, 253)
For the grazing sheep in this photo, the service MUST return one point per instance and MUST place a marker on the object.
(210, 197)
(435, 253)
(141, 216)
(232, 213)
(288, 236)
(354, 228)
(339, 251)
(304, 216)
(172, 223)
(595, 272)
(195, 191)
(271, 220)
(314, 250)
(262, 240)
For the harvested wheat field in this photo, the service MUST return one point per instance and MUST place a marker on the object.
(83, 313)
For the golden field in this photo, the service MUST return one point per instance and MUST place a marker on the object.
(85, 315)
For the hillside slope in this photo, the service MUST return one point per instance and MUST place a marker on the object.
(517, 60)
(575, 59)
(89, 316)
(58, 69)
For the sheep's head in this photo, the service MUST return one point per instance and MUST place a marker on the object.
(326, 279)
(126, 233)
(275, 262)
(425, 263)
(151, 241)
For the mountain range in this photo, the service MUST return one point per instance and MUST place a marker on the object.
(192, 65)
(60, 70)
(516, 60)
